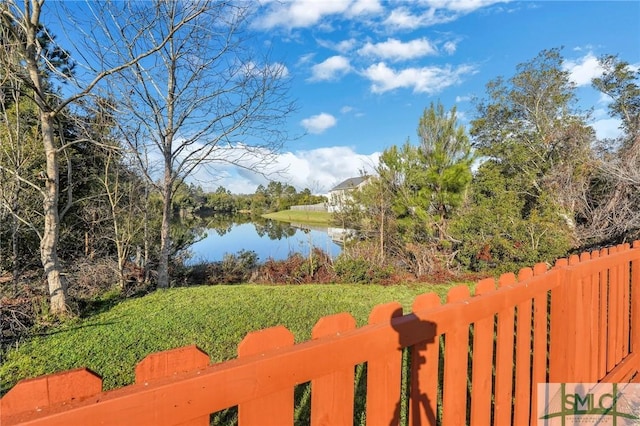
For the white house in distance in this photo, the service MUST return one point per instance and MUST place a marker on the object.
(341, 193)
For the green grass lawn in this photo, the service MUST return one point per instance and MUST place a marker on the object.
(312, 218)
(215, 318)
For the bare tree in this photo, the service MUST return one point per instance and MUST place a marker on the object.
(204, 99)
(612, 200)
(36, 59)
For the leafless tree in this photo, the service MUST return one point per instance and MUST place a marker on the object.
(32, 60)
(204, 99)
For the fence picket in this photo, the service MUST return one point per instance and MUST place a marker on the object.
(524, 338)
(539, 356)
(635, 303)
(504, 359)
(276, 408)
(168, 363)
(384, 373)
(425, 358)
(612, 321)
(481, 377)
(32, 395)
(456, 342)
(332, 396)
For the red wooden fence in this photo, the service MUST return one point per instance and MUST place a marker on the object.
(475, 360)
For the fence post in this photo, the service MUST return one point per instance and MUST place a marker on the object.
(384, 373)
(276, 408)
(332, 396)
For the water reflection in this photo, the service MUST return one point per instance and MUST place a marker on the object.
(268, 238)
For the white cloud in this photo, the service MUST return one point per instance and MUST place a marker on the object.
(396, 50)
(318, 169)
(319, 123)
(307, 13)
(450, 47)
(330, 69)
(433, 12)
(404, 18)
(463, 99)
(276, 69)
(428, 80)
(343, 46)
(365, 7)
(346, 109)
(464, 6)
(583, 70)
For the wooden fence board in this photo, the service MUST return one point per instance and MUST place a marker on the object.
(384, 373)
(425, 358)
(454, 398)
(277, 407)
(482, 377)
(332, 395)
(504, 358)
(524, 339)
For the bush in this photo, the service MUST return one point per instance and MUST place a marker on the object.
(357, 270)
(233, 269)
(297, 269)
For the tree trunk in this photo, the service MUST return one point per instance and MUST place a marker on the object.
(49, 243)
(165, 238)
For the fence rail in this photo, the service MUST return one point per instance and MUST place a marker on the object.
(474, 360)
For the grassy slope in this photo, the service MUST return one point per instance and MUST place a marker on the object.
(316, 218)
(215, 318)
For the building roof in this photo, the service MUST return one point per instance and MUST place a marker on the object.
(350, 183)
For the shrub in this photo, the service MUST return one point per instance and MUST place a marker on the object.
(360, 271)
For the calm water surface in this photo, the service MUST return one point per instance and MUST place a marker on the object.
(272, 240)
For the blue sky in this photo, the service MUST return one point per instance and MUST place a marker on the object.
(362, 71)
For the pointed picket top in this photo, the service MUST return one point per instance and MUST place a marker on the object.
(384, 312)
(457, 293)
(485, 286)
(258, 342)
(525, 274)
(636, 244)
(585, 256)
(44, 391)
(604, 252)
(333, 325)
(540, 268)
(595, 254)
(167, 363)
(574, 259)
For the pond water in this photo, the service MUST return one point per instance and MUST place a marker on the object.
(270, 239)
